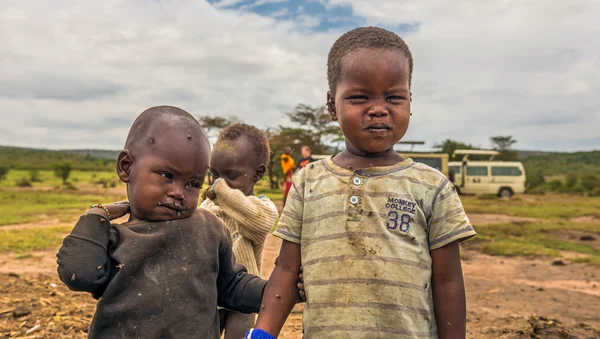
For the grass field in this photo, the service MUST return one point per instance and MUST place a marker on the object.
(554, 207)
(548, 238)
(546, 235)
(26, 206)
(47, 179)
(25, 240)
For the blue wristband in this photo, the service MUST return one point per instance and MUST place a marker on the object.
(256, 333)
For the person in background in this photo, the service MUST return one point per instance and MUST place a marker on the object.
(248, 218)
(287, 165)
(306, 157)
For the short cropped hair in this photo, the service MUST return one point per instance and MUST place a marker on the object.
(256, 137)
(363, 37)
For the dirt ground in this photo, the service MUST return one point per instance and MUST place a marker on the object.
(506, 297)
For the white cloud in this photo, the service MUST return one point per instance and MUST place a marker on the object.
(76, 74)
(501, 67)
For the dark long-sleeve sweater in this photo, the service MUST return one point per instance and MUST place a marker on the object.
(157, 279)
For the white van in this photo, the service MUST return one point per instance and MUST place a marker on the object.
(503, 178)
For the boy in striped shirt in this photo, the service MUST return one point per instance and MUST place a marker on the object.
(377, 234)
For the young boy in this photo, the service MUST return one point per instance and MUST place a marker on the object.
(163, 273)
(306, 157)
(237, 163)
(377, 234)
(287, 166)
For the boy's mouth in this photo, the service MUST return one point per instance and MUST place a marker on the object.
(379, 127)
(175, 207)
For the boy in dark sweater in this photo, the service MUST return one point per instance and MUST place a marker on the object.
(162, 273)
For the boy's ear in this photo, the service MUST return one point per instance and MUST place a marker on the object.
(124, 163)
(331, 106)
(260, 172)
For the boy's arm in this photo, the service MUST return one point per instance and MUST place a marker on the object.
(83, 261)
(447, 225)
(254, 216)
(448, 292)
(238, 290)
(281, 293)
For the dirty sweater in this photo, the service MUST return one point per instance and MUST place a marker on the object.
(157, 279)
(249, 220)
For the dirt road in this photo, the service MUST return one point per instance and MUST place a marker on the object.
(506, 298)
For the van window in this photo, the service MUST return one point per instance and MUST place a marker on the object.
(432, 162)
(455, 169)
(477, 170)
(506, 171)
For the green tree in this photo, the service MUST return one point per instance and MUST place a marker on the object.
(216, 123)
(34, 175)
(536, 179)
(449, 146)
(503, 145)
(3, 172)
(315, 128)
(62, 170)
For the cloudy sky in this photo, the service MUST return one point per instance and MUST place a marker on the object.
(75, 74)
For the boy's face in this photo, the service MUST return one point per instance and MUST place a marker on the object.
(235, 162)
(164, 181)
(372, 100)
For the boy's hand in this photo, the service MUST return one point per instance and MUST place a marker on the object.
(116, 210)
(208, 194)
(300, 286)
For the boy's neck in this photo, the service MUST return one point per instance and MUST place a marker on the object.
(352, 159)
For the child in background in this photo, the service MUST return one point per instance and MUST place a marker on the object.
(237, 163)
(163, 273)
(377, 234)
(287, 166)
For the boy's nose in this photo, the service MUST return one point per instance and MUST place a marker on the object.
(377, 111)
(176, 193)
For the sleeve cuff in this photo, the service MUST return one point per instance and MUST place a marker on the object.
(253, 293)
(461, 234)
(288, 236)
(92, 227)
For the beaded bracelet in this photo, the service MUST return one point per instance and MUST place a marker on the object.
(102, 207)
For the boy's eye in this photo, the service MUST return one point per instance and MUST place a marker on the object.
(232, 176)
(166, 175)
(358, 99)
(395, 98)
(194, 184)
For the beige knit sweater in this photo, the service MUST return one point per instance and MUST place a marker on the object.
(249, 220)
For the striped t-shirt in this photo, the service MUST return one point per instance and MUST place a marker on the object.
(366, 237)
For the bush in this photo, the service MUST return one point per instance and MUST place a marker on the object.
(578, 188)
(3, 172)
(70, 186)
(571, 181)
(62, 170)
(34, 176)
(590, 183)
(109, 183)
(537, 180)
(23, 182)
(555, 185)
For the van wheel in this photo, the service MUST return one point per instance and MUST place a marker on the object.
(505, 193)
